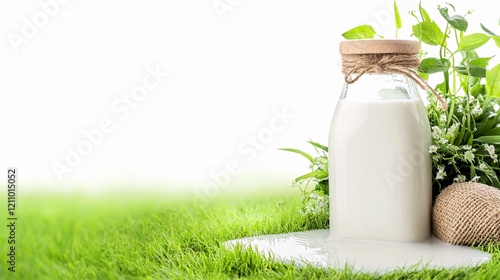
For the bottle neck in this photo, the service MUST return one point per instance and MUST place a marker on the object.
(381, 86)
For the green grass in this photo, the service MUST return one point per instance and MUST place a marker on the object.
(71, 237)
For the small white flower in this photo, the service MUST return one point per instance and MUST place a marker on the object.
(437, 133)
(436, 157)
(453, 147)
(452, 129)
(443, 141)
(477, 110)
(483, 166)
(495, 158)
(321, 162)
(460, 109)
(466, 147)
(316, 204)
(442, 118)
(490, 149)
(459, 179)
(436, 129)
(494, 113)
(476, 178)
(440, 175)
(469, 156)
(433, 149)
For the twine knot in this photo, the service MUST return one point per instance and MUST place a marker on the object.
(356, 65)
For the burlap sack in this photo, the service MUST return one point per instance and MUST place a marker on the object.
(467, 214)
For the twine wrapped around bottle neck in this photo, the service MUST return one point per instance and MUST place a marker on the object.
(356, 65)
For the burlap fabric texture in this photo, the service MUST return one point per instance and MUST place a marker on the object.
(467, 214)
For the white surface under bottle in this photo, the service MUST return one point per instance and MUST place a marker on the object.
(380, 170)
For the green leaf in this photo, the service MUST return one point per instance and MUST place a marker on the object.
(423, 13)
(481, 62)
(397, 16)
(469, 137)
(469, 157)
(441, 87)
(429, 33)
(468, 82)
(478, 89)
(424, 76)
(472, 169)
(453, 7)
(487, 125)
(494, 36)
(322, 186)
(434, 65)
(493, 81)
(304, 154)
(469, 55)
(489, 32)
(471, 70)
(473, 41)
(497, 40)
(460, 137)
(315, 174)
(489, 139)
(494, 180)
(457, 22)
(360, 32)
(494, 131)
(318, 145)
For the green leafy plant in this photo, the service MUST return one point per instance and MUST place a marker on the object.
(315, 200)
(466, 136)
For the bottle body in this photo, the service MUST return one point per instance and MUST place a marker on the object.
(380, 170)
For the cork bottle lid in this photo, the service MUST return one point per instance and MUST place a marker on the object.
(379, 46)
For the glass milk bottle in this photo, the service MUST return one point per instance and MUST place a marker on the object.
(380, 170)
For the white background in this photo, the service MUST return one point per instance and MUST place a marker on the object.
(228, 72)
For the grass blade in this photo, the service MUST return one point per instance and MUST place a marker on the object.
(489, 139)
(304, 154)
(318, 145)
(315, 174)
(397, 18)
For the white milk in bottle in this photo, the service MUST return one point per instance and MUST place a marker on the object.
(380, 168)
